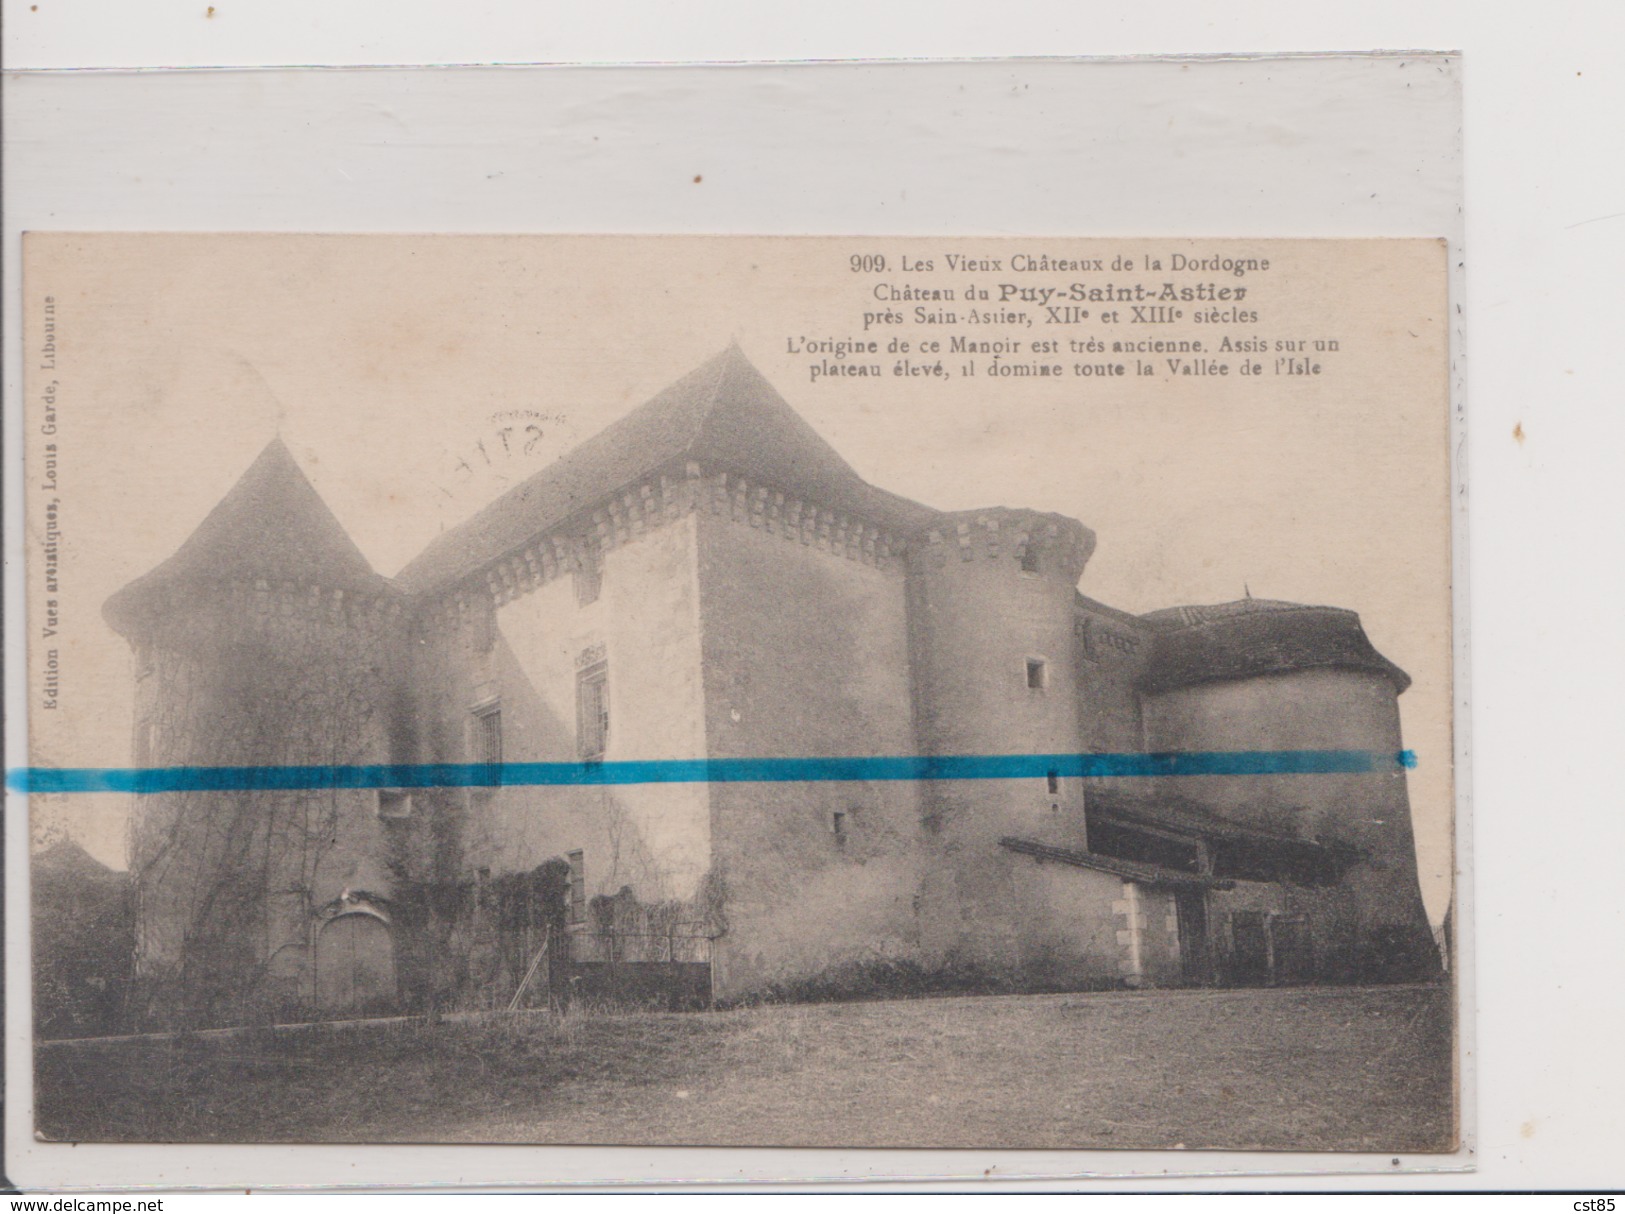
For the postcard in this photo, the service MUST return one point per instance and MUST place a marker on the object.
(721, 690)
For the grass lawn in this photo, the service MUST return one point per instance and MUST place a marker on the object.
(1304, 1068)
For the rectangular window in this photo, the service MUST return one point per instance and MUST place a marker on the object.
(1029, 559)
(589, 576)
(592, 711)
(837, 826)
(1054, 779)
(578, 886)
(1035, 673)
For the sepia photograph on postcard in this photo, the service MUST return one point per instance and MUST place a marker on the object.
(740, 691)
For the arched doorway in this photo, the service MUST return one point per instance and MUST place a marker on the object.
(355, 961)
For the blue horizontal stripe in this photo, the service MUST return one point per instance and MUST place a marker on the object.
(704, 771)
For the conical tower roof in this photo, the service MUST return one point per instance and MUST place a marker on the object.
(272, 525)
(724, 414)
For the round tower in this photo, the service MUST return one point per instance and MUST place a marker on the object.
(992, 601)
(265, 641)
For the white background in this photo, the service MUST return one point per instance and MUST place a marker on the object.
(1544, 234)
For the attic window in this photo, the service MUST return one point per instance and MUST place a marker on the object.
(1037, 674)
(1029, 559)
(589, 575)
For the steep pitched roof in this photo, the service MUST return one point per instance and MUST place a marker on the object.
(271, 525)
(725, 414)
(1252, 637)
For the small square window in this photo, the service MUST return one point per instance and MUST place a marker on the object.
(1037, 675)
